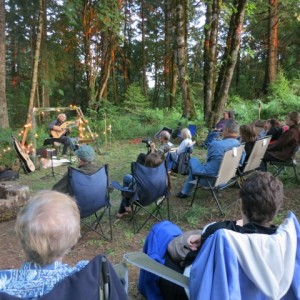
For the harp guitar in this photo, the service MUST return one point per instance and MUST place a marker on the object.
(23, 156)
(64, 128)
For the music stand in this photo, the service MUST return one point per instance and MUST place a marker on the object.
(50, 141)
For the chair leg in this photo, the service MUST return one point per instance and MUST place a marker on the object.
(195, 190)
(217, 201)
(296, 175)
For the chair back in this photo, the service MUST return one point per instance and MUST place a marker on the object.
(261, 266)
(89, 190)
(229, 165)
(257, 154)
(88, 283)
(151, 183)
(193, 129)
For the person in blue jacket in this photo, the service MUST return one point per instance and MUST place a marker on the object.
(215, 154)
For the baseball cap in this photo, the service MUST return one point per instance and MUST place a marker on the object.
(85, 153)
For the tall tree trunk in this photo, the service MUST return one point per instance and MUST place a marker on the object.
(3, 104)
(229, 60)
(181, 16)
(210, 54)
(144, 75)
(168, 54)
(36, 62)
(272, 44)
(44, 63)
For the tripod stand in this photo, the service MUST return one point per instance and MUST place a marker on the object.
(50, 152)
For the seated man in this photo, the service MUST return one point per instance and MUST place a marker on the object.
(63, 133)
(86, 157)
(46, 238)
(214, 157)
(261, 198)
(164, 148)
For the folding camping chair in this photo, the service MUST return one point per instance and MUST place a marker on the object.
(282, 165)
(254, 273)
(148, 193)
(98, 280)
(92, 196)
(256, 155)
(226, 175)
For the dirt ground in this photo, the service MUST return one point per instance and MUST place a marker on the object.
(124, 241)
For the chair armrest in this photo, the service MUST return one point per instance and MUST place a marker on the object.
(143, 261)
(119, 187)
(204, 175)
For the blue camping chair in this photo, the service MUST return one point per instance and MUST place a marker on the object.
(92, 196)
(148, 192)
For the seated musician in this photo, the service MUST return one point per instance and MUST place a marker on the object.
(61, 134)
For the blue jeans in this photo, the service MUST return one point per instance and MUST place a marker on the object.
(195, 167)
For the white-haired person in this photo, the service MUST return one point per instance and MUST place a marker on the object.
(63, 133)
(48, 228)
(186, 141)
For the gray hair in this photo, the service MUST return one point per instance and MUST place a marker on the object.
(186, 134)
(231, 126)
(165, 135)
(48, 226)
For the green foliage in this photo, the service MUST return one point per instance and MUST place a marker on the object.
(281, 99)
(135, 102)
(7, 153)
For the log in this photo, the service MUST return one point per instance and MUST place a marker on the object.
(12, 197)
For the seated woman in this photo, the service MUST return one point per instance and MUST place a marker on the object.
(247, 136)
(186, 141)
(46, 238)
(284, 148)
(153, 160)
(272, 127)
(215, 133)
(261, 198)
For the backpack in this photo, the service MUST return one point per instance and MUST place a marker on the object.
(8, 174)
(181, 165)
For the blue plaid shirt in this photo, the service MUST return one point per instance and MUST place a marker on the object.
(33, 280)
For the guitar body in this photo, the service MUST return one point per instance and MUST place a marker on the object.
(64, 126)
(23, 156)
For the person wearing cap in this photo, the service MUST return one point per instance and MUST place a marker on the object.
(165, 144)
(86, 158)
(165, 147)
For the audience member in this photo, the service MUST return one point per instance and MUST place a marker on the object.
(261, 198)
(217, 131)
(48, 228)
(153, 159)
(247, 136)
(273, 128)
(186, 141)
(164, 148)
(86, 157)
(215, 154)
(284, 148)
(176, 131)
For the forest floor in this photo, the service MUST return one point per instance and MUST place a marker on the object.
(119, 156)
